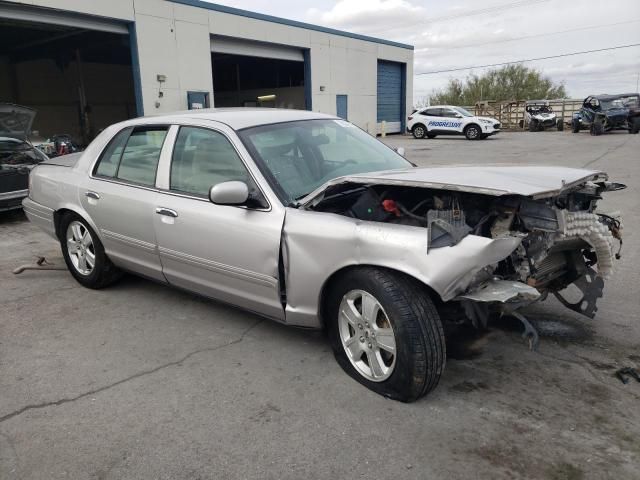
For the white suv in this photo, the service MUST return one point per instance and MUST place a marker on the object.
(449, 120)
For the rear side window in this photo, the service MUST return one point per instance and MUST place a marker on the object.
(110, 159)
(139, 160)
(133, 155)
(433, 112)
(203, 158)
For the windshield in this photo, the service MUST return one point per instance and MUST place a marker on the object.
(298, 157)
(463, 112)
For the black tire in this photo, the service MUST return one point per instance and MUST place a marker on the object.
(575, 126)
(472, 132)
(103, 273)
(431, 135)
(521, 124)
(533, 125)
(419, 337)
(635, 126)
(419, 131)
(596, 129)
(560, 125)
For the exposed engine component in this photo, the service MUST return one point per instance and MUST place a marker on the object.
(564, 240)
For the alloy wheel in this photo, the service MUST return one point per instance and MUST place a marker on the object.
(80, 248)
(367, 335)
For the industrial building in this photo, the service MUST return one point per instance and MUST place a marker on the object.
(84, 64)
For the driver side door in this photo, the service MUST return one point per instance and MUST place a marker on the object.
(229, 253)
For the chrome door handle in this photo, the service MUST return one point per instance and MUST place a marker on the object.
(93, 195)
(166, 211)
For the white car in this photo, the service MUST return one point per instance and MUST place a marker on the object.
(450, 120)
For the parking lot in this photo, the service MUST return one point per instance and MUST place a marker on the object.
(143, 381)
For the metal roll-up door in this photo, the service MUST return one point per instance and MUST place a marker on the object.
(248, 48)
(58, 17)
(390, 96)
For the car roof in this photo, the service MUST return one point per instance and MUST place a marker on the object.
(614, 97)
(236, 118)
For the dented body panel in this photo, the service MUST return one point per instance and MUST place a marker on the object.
(531, 181)
(317, 245)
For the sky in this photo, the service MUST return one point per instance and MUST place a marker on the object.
(465, 33)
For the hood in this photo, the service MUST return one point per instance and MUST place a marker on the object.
(488, 118)
(16, 121)
(530, 181)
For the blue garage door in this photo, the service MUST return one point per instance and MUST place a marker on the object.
(391, 95)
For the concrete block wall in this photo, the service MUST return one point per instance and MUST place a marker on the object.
(174, 40)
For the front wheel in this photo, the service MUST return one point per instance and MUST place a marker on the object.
(386, 333)
(84, 254)
(560, 125)
(575, 126)
(419, 131)
(472, 132)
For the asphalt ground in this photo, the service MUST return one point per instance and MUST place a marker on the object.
(144, 381)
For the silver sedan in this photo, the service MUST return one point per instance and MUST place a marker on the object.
(306, 219)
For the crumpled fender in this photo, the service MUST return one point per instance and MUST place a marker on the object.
(316, 245)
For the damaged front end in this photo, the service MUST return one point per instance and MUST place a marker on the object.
(558, 238)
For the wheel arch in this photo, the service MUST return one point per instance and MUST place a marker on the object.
(60, 213)
(419, 124)
(331, 279)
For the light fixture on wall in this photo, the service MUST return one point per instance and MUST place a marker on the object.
(161, 79)
(322, 88)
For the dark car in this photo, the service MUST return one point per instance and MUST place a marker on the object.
(17, 155)
(603, 113)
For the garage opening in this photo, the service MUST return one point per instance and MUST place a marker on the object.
(78, 80)
(255, 74)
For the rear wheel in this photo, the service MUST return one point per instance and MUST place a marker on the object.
(533, 125)
(386, 333)
(560, 125)
(635, 126)
(472, 132)
(419, 131)
(84, 254)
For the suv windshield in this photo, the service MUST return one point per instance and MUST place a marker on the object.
(463, 112)
(297, 157)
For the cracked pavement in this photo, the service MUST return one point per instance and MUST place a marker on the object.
(144, 381)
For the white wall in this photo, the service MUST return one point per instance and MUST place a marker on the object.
(174, 40)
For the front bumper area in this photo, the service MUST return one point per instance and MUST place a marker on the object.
(12, 200)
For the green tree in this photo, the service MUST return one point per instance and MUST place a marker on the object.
(511, 82)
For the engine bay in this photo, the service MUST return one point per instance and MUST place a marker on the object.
(564, 239)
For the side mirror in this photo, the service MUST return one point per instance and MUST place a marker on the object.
(400, 151)
(229, 193)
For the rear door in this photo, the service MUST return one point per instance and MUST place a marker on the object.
(431, 118)
(226, 252)
(120, 197)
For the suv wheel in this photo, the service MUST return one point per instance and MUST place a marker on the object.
(386, 333)
(84, 254)
(560, 125)
(419, 131)
(472, 132)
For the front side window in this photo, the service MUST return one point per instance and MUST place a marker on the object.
(203, 158)
(300, 156)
